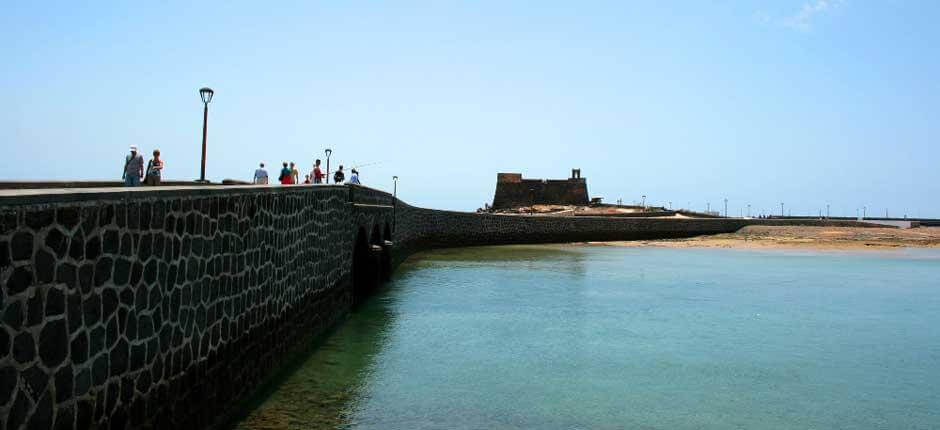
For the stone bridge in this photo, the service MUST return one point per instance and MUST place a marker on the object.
(164, 307)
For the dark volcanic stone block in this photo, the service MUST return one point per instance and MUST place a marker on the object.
(68, 217)
(22, 246)
(64, 383)
(112, 241)
(20, 280)
(109, 301)
(93, 248)
(5, 258)
(18, 413)
(96, 341)
(106, 215)
(92, 310)
(55, 302)
(90, 218)
(34, 315)
(103, 271)
(4, 342)
(99, 370)
(79, 348)
(64, 417)
(45, 266)
(40, 219)
(66, 274)
(82, 382)
(8, 379)
(58, 242)
(53, 343)
(34, 380)
(43, 415)
(127, 246)
(74, 311)
(86, 274)
(13, 316)
(119, 358)
(77, 246)
(24, 348)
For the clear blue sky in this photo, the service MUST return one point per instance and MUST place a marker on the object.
(803, 102)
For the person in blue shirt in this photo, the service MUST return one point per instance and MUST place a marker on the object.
(354, 179)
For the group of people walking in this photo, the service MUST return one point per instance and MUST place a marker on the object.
(289, 175)
(134, 173)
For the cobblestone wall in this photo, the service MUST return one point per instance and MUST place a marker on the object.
(134, 310)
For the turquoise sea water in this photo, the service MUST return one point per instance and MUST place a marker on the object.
(573, 337)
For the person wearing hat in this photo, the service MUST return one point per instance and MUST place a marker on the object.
(133, 168)
(354, 178)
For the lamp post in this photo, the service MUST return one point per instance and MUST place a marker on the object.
(644, 202)
(748, 210)
(206, 94)
(864, 212)
(781, 209)
(395, 203)
(726, 208)
(827, 210)
(328, 152)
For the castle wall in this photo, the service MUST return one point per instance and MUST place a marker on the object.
(514, 191)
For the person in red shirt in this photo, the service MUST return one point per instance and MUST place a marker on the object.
(317, 173)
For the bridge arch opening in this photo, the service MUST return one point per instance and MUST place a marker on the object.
(387, 253)
(363, 268)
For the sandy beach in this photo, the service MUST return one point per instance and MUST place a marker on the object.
(802, 237)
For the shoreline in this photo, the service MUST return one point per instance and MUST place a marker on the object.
(796, 238)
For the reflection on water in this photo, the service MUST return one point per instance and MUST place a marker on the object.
(583, 337)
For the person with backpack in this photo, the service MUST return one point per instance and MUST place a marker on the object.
(339, 176)
(154, 169)
(133, 168)
(285, 178)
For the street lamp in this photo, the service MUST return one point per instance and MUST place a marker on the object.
(395, 203)
(328, 152)
(748, 210)
(726, 208)
(781, 209)
(644, 202)
(206, 94)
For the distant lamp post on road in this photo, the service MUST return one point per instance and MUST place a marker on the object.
(206, 94)
(781, 208)
(328, 152)
(748, 210)
(394, 203)
(827, 210)
(644, 201)
(864, 212)
(726, 208)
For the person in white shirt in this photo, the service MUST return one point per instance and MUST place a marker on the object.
(261, 175)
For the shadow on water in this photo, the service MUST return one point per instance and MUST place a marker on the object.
(320, 385)
(315, 389)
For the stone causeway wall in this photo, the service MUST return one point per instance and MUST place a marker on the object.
(162, 308)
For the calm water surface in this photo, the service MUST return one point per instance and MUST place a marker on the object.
(574, 337)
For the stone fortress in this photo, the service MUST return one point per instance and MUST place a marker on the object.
(165, 307)
(514, 191)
